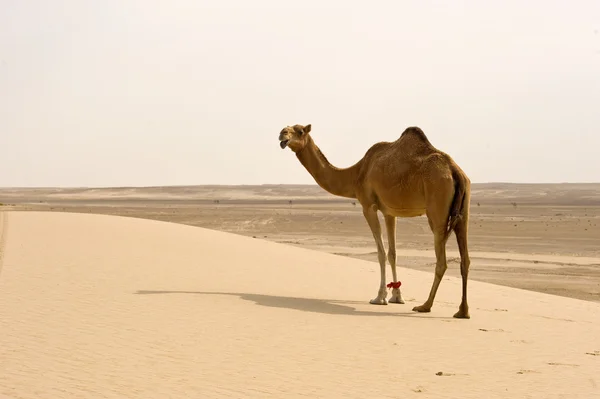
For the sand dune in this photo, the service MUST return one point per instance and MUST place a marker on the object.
(100, 306)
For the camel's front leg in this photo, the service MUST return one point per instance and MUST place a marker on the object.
(373, 221)
(390, 227)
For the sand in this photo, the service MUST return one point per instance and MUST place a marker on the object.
(100, 306)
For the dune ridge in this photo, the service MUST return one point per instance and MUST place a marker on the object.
(105, 306)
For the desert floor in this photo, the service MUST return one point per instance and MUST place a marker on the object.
(536, 237)
(96, 306)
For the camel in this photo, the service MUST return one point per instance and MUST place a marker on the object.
(405, 178)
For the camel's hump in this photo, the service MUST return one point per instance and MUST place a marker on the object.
(416, 132)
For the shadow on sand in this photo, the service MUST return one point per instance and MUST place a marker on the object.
(323, 306)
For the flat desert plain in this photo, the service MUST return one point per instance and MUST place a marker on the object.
(540, 237)
(100, 298)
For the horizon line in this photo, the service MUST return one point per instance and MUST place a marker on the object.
(261, 185)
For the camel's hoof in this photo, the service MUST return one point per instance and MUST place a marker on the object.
(421, 309)
(462, 315)
(396, 296)
(378, 301)
(397, 299)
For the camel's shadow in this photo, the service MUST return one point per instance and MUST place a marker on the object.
(323, 306)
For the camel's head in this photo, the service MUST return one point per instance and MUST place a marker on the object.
(294, 137)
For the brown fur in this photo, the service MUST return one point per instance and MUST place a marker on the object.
(405, 178)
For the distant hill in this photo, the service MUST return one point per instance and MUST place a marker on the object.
(485, 193)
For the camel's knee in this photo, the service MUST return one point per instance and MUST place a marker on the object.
(392, 256)
(381, 256)
(464, 266)
(440, 269)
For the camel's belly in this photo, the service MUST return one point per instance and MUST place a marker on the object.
(402, 201)
(402, 212)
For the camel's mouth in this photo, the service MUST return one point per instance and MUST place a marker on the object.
(283, 144)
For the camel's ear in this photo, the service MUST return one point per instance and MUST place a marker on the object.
(307, 128)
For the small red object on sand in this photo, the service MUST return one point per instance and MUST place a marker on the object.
(394, 285)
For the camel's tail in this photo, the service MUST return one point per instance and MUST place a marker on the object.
(458, 207)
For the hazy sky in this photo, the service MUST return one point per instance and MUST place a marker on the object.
(149, 92)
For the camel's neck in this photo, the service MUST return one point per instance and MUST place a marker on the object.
(340, 182)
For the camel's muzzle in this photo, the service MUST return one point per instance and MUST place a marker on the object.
(283, 144)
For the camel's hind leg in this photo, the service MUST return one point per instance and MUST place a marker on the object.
(439, 197)
(461, 231)
(440, 268)
(390, 227)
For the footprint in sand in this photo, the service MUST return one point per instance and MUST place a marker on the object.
(563, 364)
(527, 372)
(594, 353)
(521, 341)
(496, 330)
(492, 310)
(443, 374)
